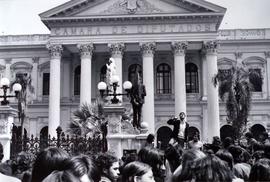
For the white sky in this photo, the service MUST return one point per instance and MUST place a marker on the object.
(21, 16)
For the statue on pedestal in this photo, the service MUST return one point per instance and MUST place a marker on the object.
(137, 95)
(111, 71)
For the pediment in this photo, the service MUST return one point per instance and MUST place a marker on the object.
(94, 8)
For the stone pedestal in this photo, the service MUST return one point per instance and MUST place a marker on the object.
(121, 134)
(6, 119)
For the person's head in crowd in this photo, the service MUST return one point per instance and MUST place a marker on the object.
(246, 157)
(173, 156)
(265, 135)
(241, 169)
(228, 141)
(184, 171)
(62, 176)
(182, 116)
(108, 165)
(249, 135)
(150, 140)
(211, 168)
(226, 156)
(48, 160)
(83, 167)
(260, 171)
(258, 155)
(236, 152)
(137, 172)
(155, 159)
(23, 162)
(216, 144)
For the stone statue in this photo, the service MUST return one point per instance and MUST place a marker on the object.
(137, 95)
(111, 71)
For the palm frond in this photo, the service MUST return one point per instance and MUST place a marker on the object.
(87, 119)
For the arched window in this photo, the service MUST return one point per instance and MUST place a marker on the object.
(226, 131)
(44, 137)
(163, 79)
(132, 71)
(102, 75)
(256, 81)
(192, 84)
(77, 79)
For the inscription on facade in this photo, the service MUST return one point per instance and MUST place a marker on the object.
(239, 34)
(133, 29)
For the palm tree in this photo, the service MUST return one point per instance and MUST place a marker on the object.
(235, 89)
(23, 99)
(89, 121)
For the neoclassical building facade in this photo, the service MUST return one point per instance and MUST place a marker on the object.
(176, 45)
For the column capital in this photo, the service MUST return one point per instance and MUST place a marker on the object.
(86, 50)
(267, 54)
(35, 59)
(238, 55)
(117, 49)
(55, 50)
(179, 48)
(8, 60)
(148, 48)
(210, 47)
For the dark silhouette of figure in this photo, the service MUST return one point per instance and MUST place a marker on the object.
(104, 131)
(137, 95)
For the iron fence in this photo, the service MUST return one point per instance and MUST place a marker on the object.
(71, 144)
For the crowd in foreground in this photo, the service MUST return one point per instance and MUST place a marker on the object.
(215, 162)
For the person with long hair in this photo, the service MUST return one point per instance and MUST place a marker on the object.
(156, 160)
(184, 172)
(47, 161)
(62, 176)
(137, 172)
(83, 167)
(211, 168)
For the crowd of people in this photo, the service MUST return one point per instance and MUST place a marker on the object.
(182, 160)
(215, 162)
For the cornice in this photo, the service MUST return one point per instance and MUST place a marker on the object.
(114, 18)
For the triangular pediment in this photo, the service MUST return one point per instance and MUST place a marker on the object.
(94, 8)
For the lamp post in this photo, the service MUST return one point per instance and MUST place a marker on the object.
(102, 87)
(5, 86)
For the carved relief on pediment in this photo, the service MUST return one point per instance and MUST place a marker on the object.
(131, 7)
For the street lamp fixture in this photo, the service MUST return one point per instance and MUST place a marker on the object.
(5, 85)
(102, 87)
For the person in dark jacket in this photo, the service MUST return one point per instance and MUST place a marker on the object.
(180, 129)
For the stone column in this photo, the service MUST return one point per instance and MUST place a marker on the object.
(54, 97)
(148, 113)
(204, 76)
(267, 57)
(179, 50)
(86, 51)
(7, 71)
(34, 75)
(7, 114)
(117, 51)
(212, 91)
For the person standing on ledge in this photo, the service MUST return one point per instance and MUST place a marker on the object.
(180, 129)
(137, 95)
